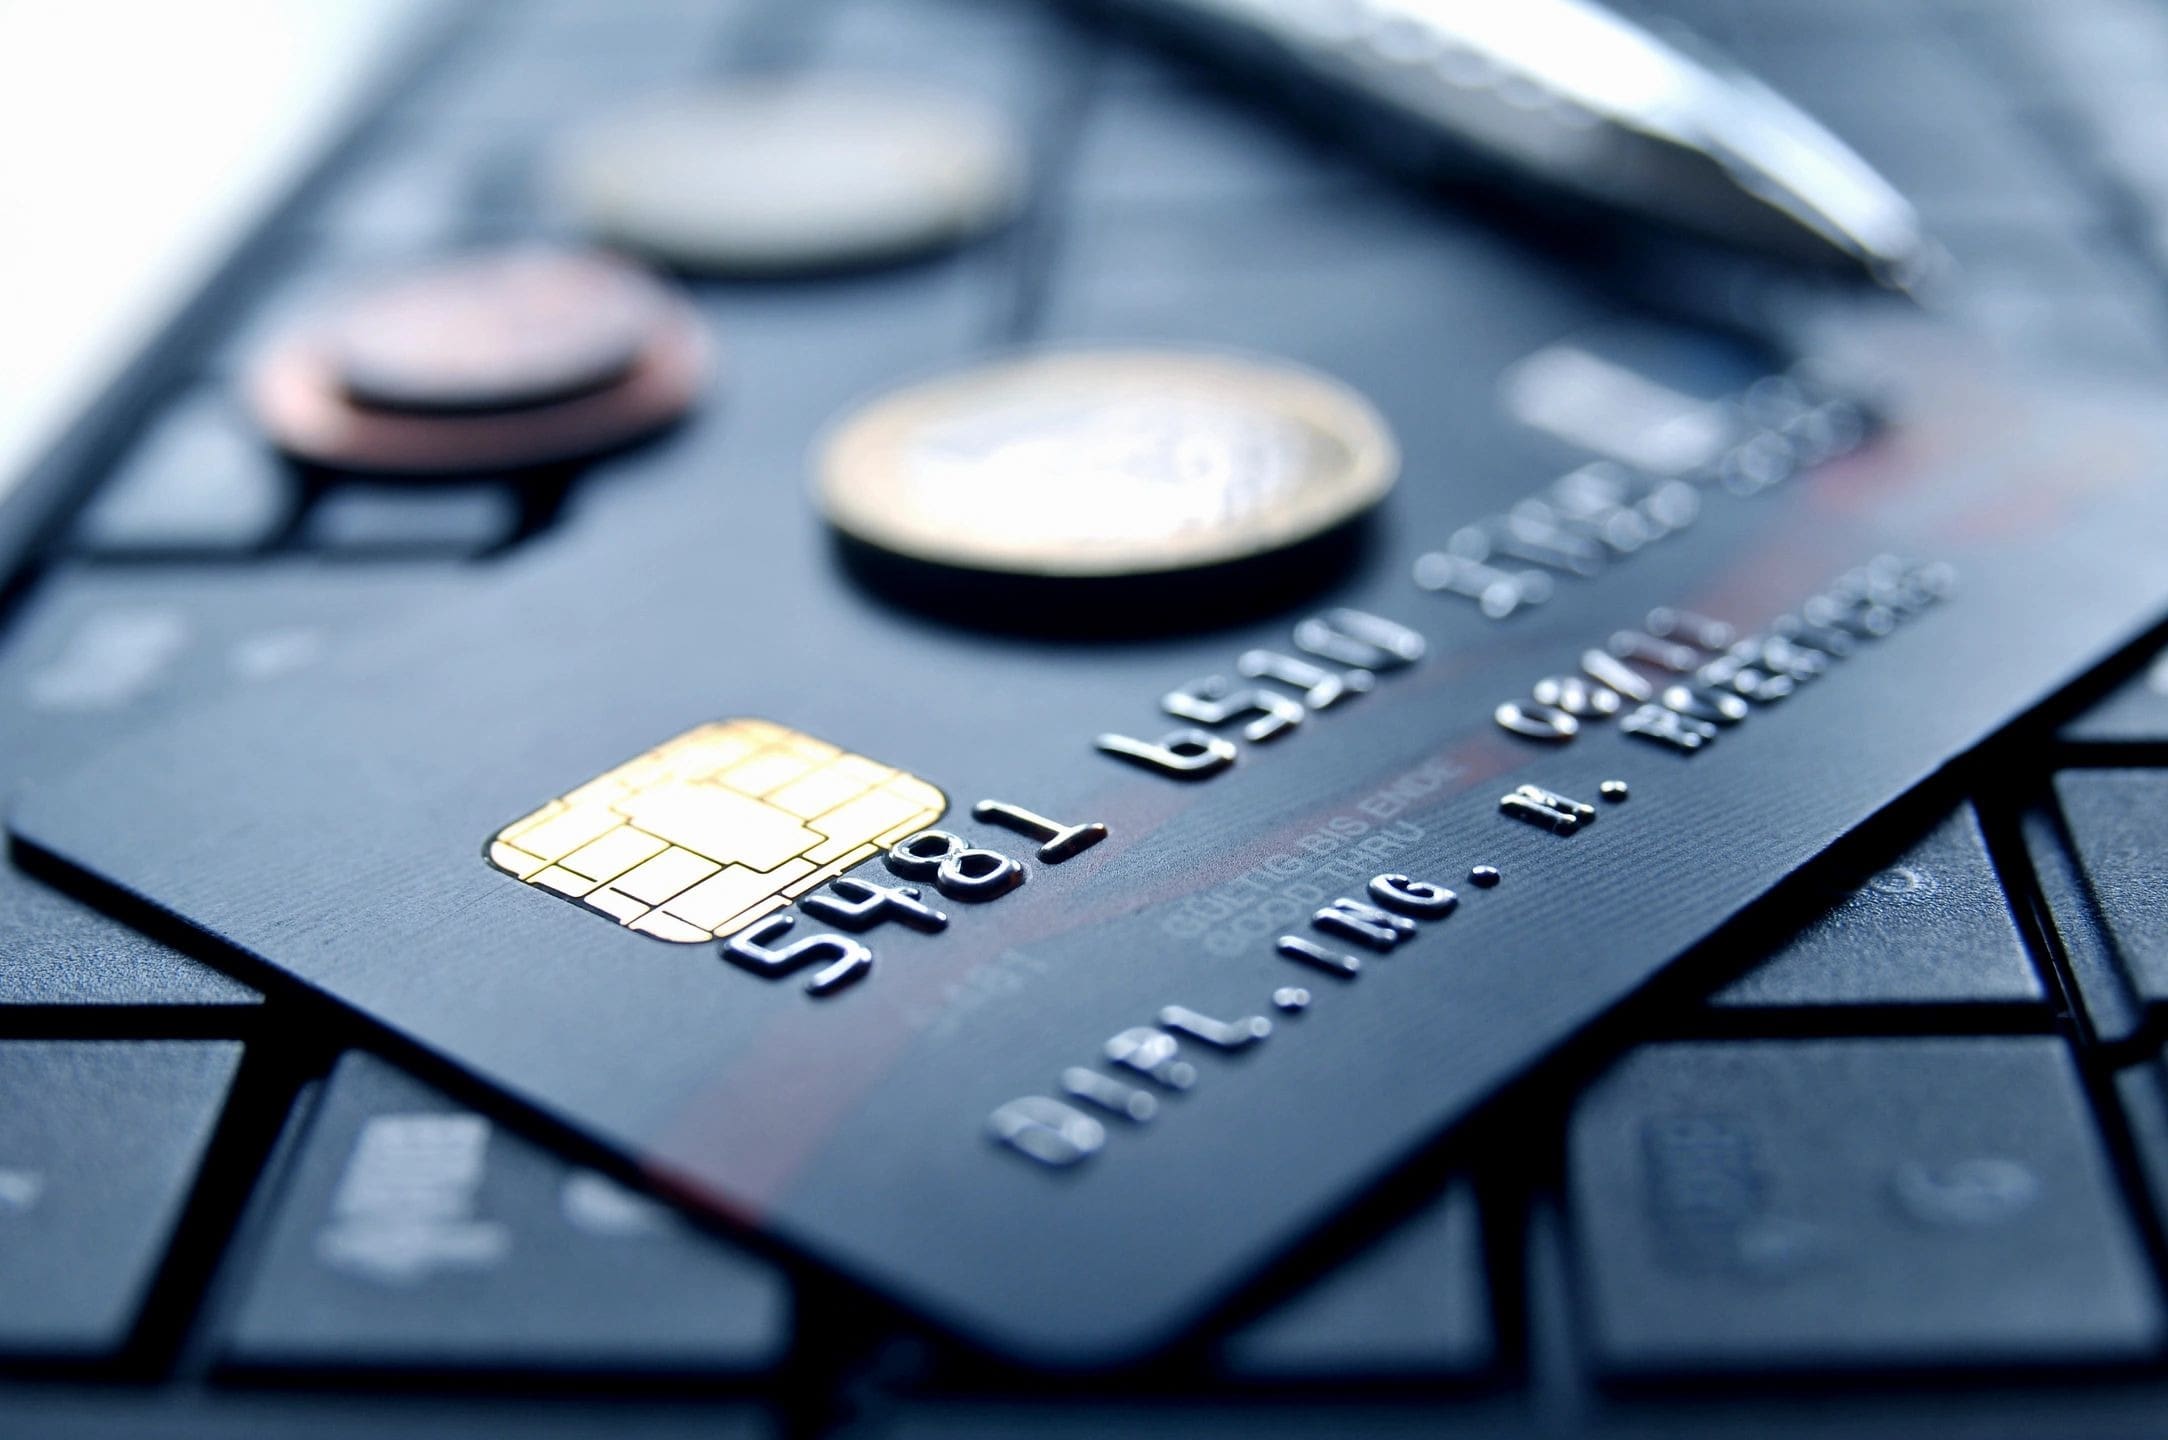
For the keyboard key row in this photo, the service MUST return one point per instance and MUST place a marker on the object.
(204, 485)
(100, 1142)
(2100, 873)
(2135, 714)
(1415, 1303)
(1814, 1204)
(411, 1233)
(1851, 1202)
(1735, 1205)
(1931, 928)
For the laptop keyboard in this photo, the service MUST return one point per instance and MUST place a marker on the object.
(1914, 1156)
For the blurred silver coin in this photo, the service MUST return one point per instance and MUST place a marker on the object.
(772, 175)
(1106, 463)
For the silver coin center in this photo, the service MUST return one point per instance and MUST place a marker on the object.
(1109, 471)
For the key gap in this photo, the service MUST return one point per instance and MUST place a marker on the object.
(263, 1090)
(2112, 754)
(2013, 835)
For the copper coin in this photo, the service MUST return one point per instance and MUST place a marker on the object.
(302, 395)
(1104, 463)
(494, 331)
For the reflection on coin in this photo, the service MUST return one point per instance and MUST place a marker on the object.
(494, 332)
(492, 362)
(773, 175)
(1106, 463)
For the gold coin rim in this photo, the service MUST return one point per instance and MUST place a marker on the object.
(866, 440)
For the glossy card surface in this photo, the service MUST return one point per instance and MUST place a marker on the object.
(1068, 1109)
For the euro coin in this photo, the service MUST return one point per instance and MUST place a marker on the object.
(773, 175)
(1105, 463)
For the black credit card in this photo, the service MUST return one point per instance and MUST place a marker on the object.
(1195, 986)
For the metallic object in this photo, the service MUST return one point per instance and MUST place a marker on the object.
(1575, 97)
(1106, 463)
(495, 332)
(1047, 1131)
(768, 176)
(715, 829)
(491, 362)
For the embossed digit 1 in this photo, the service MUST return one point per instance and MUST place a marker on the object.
(1057, 842)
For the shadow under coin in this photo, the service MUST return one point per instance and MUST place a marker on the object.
(1126, 607)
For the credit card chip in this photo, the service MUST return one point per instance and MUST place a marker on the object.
(712, 830)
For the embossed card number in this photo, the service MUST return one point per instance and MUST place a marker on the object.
(709, 836)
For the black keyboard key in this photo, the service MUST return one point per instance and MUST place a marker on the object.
(99, 1146)
(412, 1233)
(424, 190)
(98, 651)
(1416, 1303)
(1932, 928)
(1853, 1203)
(2143, 1092)
(2108, 1003)
(445, 520)
(200, 480)
(2118, 833)
(2136, 714)
(55, 950)
(2104, 892)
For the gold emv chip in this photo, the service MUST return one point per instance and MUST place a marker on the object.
(714, 829)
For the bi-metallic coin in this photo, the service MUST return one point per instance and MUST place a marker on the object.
(1106, 463)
